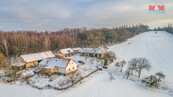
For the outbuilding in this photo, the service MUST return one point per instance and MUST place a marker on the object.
(30, 60)
(68, 52)
(93, 52)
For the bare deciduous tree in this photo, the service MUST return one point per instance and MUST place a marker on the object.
(132, 65)
(143, 63)
(128, 72)
(122, 64)
(111, 77)
(5, 46)
(139, 64)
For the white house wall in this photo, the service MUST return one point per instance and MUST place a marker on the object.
(61, 70)
(70, 66)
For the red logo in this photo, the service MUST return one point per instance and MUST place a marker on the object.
(156, 8)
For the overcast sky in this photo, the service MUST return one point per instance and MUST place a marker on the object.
(54, 15)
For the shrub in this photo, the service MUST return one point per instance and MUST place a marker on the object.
(106, 62)
(151, 81)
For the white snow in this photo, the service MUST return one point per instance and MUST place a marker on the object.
(67, 50)
(93, 50)
(157, 48)
(37, 56)
(74, 49)
(18, 64)
(100, 86)
(43, 62)
(25, 91)
(56, 62)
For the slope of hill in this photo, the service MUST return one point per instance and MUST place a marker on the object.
(156, 47)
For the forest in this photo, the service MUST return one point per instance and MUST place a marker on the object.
(15, 43)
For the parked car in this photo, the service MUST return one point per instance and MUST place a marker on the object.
(81, 62)
(105, 67)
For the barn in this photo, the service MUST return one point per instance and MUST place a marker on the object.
(93, 52)
(33, 59)
(77, 50)
(68, 52)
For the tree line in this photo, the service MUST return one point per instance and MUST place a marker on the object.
(15, 43)
(168, 28)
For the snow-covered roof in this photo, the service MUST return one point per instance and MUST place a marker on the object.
(67, 50)
(37, 56)
(93, 50)
(18, 64)
(43, 62)
(58, 54)
(56, 62)
(74, 49)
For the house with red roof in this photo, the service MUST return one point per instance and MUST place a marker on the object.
(58, 65)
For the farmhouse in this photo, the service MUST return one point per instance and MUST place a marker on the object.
(93, 52)
(77, 50)
(58, 65)
(64, 53)
(30, 60)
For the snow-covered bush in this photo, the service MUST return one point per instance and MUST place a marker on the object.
(75, 77)
(151, 81)
(160, 76)
(111, 77)
(60, 82)
(25, 73)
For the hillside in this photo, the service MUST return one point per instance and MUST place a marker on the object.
(156, 47)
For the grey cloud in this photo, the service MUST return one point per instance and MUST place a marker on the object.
(58, 14)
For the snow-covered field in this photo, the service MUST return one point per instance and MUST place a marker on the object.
(99, 85)
(25, 91)
(155, 47)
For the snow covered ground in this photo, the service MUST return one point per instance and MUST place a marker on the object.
(25, 91)
(155, 47)
(99, 85)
